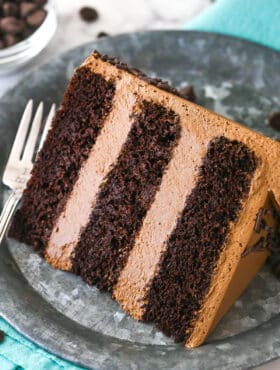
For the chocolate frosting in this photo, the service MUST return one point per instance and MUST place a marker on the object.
(161, 84)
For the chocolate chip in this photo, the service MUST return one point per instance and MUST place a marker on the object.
(10, 39)
(88, 14)
(1, 336)
(188, 93)
(102, 34)
(35, 19)
(274, 120)
(11, 25)
(10, 9)
(27, 8)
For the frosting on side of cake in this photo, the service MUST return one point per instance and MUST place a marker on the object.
(249, 264)
(230, 261)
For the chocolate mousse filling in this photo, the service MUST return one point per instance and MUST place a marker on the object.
(87, 102)
(126, 195)
(186, 268)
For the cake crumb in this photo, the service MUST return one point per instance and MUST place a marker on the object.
(102, 34)
(274, 120)
(188, 93)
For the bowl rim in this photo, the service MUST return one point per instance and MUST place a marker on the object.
(28, 42)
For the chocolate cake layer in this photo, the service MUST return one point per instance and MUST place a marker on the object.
(126, 196)
(101, 159)
(77, 123)
(185, 270)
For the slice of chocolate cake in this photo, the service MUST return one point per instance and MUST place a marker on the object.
(152, 198)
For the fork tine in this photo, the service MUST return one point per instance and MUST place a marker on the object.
(47, 126)
(33, 135)
(21, 132)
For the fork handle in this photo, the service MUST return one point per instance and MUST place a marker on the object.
(7, 213)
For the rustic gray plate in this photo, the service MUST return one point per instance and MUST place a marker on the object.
(55, 309)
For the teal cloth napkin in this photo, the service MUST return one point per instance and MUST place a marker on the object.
(17, 352)
(255, 20)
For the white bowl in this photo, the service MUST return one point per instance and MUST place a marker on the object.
(20, 53)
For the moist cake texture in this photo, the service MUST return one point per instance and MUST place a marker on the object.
(152, 198)
(223, 183)
(125, 196)
(87, 101)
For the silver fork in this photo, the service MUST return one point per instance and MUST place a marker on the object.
(21, 157)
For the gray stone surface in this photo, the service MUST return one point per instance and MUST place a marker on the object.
(55, 309)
